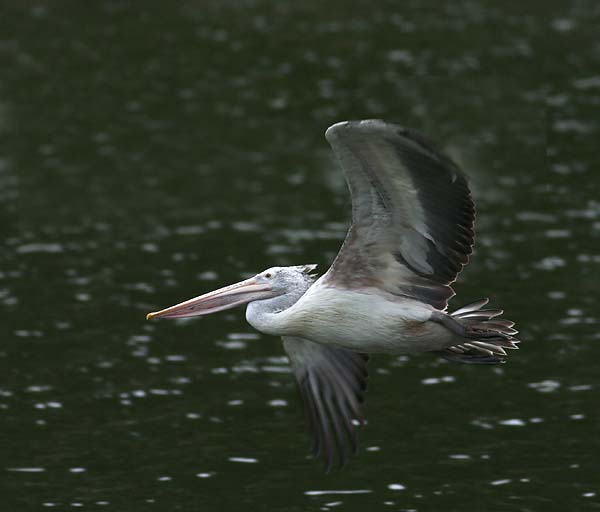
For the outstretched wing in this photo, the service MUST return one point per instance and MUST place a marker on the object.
(412, 213)
(332, 383)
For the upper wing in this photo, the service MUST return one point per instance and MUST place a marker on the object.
(331, 382)
(412, 213)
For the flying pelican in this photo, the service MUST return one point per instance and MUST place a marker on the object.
(387, 290)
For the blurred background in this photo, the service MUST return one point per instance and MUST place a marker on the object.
(151, 152)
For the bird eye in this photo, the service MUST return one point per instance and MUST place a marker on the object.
(268, 275)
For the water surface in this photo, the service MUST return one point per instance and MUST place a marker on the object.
(151, 155)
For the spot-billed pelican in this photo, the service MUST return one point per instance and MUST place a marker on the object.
(387, 290)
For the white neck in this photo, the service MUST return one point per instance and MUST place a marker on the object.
(266, 315)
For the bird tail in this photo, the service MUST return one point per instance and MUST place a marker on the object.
(486, 335)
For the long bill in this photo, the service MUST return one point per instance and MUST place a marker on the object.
(219, 300)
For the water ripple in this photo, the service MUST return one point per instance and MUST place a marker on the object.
(245, 460)
(27, 470)
(338, 491)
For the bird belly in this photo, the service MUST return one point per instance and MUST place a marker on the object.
(365, 322)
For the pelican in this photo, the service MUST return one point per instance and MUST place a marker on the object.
(387, 290)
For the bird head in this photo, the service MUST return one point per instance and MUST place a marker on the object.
(273, 282)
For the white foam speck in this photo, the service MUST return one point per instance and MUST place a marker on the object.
(243, 336)
(581, 387)
(587, 83)
(246, 460)
(278, 403)
(437, 380)
(550, 263)
(545, 386)
(459, 456)
(396, 487)
(232, 345)
(513, 422)
(502, 481)
(26, 470)
(343, 491)
(33, 248)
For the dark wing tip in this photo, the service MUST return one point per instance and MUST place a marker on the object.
(429, 147)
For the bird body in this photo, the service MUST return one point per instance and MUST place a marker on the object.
(366, 320)
(387, 290)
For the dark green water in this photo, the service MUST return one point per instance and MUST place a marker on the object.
(149, 155)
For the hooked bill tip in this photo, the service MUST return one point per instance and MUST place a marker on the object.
(149, 316)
